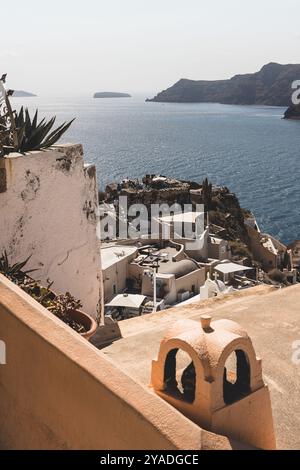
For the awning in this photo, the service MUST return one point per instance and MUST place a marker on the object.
(127, 301)
(227, 268)
(159, 178)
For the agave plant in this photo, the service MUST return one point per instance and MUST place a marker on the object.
(20, 133)
(15, 271)
(34, 135)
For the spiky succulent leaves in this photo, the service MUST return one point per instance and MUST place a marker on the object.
(57, 134)
(14, 270)
(4, 264)
(35, 136)
(20, 127)
(34, 121)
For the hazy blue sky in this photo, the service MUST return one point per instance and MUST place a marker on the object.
(70, 46)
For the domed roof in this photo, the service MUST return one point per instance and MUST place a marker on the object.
(179, 268)
(208, 342)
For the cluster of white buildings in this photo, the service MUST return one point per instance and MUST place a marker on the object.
(50, 212)
(145, 275)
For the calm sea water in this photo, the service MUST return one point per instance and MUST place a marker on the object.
(247, 148)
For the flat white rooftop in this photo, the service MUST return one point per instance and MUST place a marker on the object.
(112, 254)
(227, 268)
(183, 217)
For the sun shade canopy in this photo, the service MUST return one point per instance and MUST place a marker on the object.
(127, 301)
(227, 268)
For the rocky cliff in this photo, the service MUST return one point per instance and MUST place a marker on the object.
(270, 86)
(225, 213)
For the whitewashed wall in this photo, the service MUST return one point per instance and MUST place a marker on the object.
(48, 209)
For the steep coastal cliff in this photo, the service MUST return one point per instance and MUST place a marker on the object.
(226, 216)
(270, 86)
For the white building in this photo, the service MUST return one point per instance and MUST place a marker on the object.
(115, 265)
(182, 225)
(188, 229)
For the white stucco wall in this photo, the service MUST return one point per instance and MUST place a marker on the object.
(115, 267)
(48, 209)
(196, 248)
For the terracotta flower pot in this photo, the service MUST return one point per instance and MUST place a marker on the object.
(78, 316)
(88, 322)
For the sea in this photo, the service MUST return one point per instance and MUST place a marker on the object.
(249, 149)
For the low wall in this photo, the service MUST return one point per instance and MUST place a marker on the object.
(196, 278)
(59, 392)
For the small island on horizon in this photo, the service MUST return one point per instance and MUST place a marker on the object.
(23, 94)
(111, 94)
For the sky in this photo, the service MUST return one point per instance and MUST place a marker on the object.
(65, 47)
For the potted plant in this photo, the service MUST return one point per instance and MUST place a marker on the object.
(63, 306)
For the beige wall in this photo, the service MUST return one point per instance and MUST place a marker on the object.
(59, 392)
(135, 272)
(196, 278)
(201, 252)
(116, 274)
(219, 251)
(49, 210)
(174, 286)
(168, 284)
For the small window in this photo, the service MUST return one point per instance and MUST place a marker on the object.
(114, 289)
(236, 377)
(180, 375)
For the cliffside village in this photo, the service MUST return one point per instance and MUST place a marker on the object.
(145, 287)
(208, 371)
(144, 274)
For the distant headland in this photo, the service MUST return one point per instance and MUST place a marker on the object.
(270, 86)
(22, 94)
(111, 94)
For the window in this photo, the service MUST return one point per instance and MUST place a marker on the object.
(114, 289)
(180, 375)
(236, 377)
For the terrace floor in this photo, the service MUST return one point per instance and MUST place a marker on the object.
(272, 319)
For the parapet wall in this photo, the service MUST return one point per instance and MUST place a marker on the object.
(48, 208)
(59, 392)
